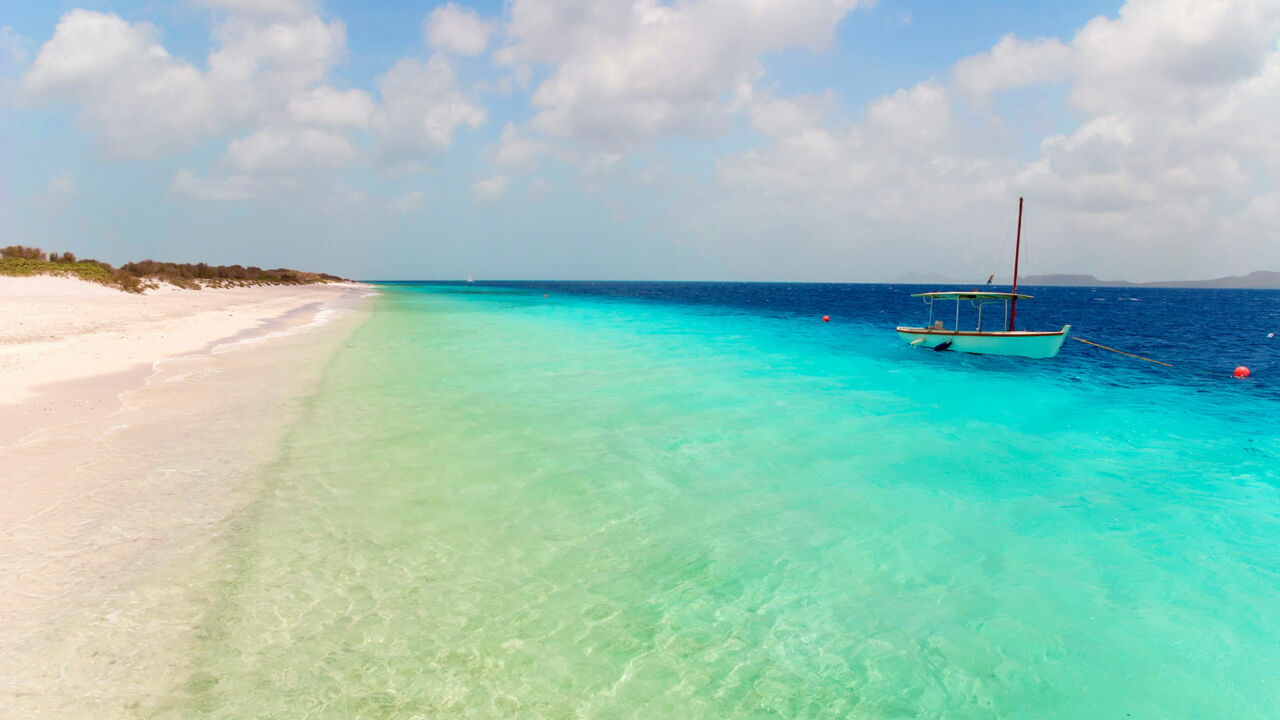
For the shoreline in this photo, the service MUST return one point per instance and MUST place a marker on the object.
(69, 330)
(120, 488)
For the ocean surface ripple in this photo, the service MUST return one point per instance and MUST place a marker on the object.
(641, 500)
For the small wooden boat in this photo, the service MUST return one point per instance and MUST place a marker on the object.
(1022, 343)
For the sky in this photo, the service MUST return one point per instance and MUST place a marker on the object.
(757, 140)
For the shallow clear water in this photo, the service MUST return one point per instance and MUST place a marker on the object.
(629, 500)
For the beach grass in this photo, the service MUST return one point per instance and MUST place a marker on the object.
(84, 270)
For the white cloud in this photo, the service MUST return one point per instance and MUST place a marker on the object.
(453, 29)
(261, 65)
(408, 203)
(263, 8)
(1179, 99)
(908, 158)
(273, 149)
(130, 89)
(143, 101)
(13, 58)
(228, 189)
(517, 149)
(13, 46)
(265, 77)
(1171, 53)
(490, 189)
(1171, 165)
(631, 71)
(915, 119)
(332, 108)
(1013, 63)
(421, 107)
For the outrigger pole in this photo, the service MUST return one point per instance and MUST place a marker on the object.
(1013, 304)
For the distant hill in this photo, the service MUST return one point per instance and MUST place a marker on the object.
(1257, 280)
(1072, 281)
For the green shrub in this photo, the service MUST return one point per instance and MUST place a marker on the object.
(141, 275)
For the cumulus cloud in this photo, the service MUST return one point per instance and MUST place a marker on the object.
(626, 72)
(908, 158)
(289, 148)
(1174, 54)
(453, 29)
(421, 107)
(332, 108)
(1013, 63)
(516, 149)
(265, 80)
(129, 88)
(1186, 118)
(142, 101)
(263, 8)
(261, 65)
(919, 118)
(1171, 162)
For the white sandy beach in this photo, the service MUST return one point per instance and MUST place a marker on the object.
(57, 330)
(132, 428)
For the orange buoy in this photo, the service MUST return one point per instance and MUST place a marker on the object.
(826, 318)
(1241, 372)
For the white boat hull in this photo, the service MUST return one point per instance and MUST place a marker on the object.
(1021, 343)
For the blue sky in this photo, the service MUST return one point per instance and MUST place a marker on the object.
(831, 140)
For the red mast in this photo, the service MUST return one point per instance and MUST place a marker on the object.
(1013, 304)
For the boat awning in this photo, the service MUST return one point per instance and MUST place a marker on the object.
(970, 295)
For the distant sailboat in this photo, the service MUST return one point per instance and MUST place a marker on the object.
(469, 279)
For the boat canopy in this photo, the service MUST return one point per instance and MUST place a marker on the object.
(970, 295)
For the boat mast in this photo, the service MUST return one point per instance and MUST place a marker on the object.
(1017, 248)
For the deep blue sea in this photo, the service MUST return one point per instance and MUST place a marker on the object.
(1210, 332)
(698, 500)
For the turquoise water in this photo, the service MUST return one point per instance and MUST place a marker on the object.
(505, 505)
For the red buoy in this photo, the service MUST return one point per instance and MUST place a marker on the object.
(1241, 372)
(826, 318)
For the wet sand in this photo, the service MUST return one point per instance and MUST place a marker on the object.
(134, 432)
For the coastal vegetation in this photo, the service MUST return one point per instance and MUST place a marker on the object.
(144, 275)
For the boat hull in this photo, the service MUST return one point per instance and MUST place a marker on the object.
(1020, 343)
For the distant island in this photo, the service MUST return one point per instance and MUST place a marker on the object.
(1257, 280)
(20, 260)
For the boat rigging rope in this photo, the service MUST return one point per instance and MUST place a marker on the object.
(1008, 234)
(1104, 347)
